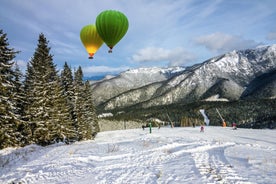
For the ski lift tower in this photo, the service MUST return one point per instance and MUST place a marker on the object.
(223, 121)
(170, 120)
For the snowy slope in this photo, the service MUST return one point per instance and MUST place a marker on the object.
(178, 155)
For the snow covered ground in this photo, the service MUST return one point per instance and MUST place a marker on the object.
(168, 155)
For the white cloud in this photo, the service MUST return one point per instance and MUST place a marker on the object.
(221, 42)
(175, 57)
(271, 36)
(151, 54)
(92, 70)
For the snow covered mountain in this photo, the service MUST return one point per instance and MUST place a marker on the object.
(132, 79)
(234, 75)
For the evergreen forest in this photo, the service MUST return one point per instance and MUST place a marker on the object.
(43, 106)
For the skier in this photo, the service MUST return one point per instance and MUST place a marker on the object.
(202, 128)
(234, 126)
(143, 127)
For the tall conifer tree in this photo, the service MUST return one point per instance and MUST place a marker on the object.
(68, 88)
(64, 129)
(41, 77)
(10, 123)
(78, 101)
(19, 99)
(87, 124)
(90, 117)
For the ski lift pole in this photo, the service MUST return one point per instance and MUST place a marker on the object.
(219, 115)
(223, 122)
(170, 120)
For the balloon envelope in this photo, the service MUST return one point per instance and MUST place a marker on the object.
(111, 25)
(90, 39)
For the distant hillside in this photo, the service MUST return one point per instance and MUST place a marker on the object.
(263, 86)
(132, 79)
(226, 77)
(229, 78)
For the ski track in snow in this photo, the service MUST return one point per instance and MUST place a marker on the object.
(165, 156)
(215, 168)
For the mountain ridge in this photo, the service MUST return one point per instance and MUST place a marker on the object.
(226, 76)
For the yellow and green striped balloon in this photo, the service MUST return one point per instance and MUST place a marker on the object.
(90, 39)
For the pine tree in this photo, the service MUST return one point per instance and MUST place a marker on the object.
(78, 78)
(78, 102)
(19, 99)
(41, 77)
(9, 120)
(87, 123)
(67, 85)
(64, 129)
(90, 116)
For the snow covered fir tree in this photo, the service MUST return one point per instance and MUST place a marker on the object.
(42, 107)
(11, 125)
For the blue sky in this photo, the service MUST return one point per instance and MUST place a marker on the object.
(161, 33)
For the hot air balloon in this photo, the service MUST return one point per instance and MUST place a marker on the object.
(90, 39)
(111, 25)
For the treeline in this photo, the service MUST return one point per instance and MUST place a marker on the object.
(253, 113)
(43, 106)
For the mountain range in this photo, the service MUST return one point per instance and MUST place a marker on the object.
(241, 74)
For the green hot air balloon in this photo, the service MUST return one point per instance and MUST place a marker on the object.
(111, 25)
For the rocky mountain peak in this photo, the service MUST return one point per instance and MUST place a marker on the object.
(226, 76)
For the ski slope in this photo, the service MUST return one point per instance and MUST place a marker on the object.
(167, 155)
